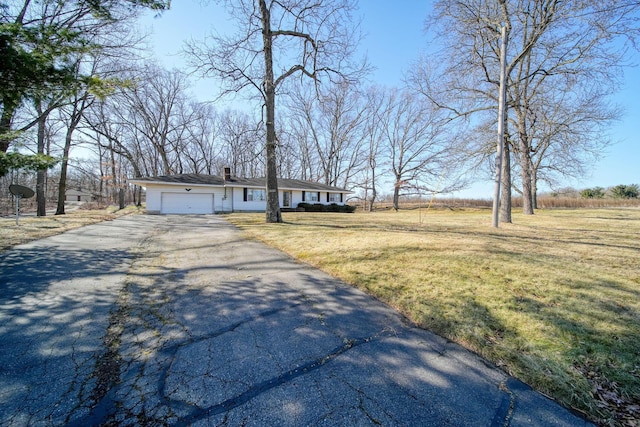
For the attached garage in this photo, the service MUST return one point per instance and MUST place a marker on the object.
(186, 203)
(210, 194)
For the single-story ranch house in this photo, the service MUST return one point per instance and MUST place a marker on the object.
(207, 194)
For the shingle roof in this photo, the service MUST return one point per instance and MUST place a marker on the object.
(198, 179)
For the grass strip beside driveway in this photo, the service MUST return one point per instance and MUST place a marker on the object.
(38, 227)
(553, 299)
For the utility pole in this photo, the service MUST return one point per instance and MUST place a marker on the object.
(501, 116)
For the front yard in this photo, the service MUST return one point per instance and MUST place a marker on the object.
(553, 299)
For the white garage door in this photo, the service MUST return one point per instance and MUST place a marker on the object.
(186, 203)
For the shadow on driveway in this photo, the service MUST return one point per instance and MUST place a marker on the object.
(189, 324)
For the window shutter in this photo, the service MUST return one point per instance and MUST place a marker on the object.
(245, 194)
(341, 200)
(327, 197)
(303, 194)
(318, 199)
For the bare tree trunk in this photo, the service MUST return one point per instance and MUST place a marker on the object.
(505, 201)
(273, 213)
(534, 189)
(374, 192)
(76, 114)
(527, 194)
(101, 167)
(114, 191)
(41, 175)
(62, 185)
(41, 198)
(524, 147)
(396, 195)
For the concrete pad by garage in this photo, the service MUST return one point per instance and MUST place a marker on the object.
(178, 320)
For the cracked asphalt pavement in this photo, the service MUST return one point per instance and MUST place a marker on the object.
(178, 320)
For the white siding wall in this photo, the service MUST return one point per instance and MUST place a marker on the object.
(296, 197)
(239, 205)
(154, 199)
(234, 200)
(224, 202)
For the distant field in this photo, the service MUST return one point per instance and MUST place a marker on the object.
(544, 202)
(553, 299)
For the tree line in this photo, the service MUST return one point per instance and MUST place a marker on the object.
(620, 191)
(72, 76)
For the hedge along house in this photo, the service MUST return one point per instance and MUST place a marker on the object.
(207, 194)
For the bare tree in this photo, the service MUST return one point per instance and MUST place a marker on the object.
(556, 98)
(159, 129)
(39, 50)
(68, 33)
(278, 39)
(242, 150)
(84, 94)
(373, 133)
(154, 106)
(203, 149)
(566, 131)
(300, 133)
(292, 153)
(112, 127)
(113, 137)
(78, 105)
(331, 127)
(553, 45)
(418, 148)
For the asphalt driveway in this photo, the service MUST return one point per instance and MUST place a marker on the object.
(178, 320)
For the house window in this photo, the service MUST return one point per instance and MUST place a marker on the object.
(312, 196)
(254, 195)
(334, 198)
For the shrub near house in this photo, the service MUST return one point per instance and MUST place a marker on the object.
(319, 207)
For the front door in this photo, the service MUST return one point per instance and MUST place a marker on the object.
(286, 199)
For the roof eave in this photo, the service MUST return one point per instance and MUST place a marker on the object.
(144, 183)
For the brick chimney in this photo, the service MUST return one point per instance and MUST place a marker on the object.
(227, 174)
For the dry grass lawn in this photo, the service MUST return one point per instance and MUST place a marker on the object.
(31, 227)
(553, 299)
